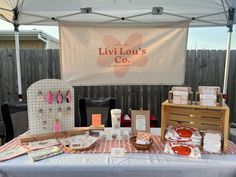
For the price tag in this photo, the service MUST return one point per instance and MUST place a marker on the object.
(117, 152)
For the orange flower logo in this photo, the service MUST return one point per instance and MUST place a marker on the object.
(122, 56)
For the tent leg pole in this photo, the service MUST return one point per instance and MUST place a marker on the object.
(18, 67)
(227, 61)
(227, 57)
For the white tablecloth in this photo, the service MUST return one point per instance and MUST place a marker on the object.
(133, 165)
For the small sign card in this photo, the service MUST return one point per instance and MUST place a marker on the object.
(117, 152)
(96, 120)
(110, 134)
(140, 121)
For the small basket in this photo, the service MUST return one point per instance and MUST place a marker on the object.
(142, 147)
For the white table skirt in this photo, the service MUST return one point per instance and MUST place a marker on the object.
(133, 165)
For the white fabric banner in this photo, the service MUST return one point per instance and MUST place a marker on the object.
(114, 55)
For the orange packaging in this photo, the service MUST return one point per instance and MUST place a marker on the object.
(96, 120)
(180, 149)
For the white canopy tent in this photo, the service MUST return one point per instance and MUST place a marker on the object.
(200, 13)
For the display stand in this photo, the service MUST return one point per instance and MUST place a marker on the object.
(170, 97)
(44, 110)
(31, 138)
(219, 98)
(201, 117)
(74, 131)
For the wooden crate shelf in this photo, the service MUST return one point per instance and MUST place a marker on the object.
(201, 117)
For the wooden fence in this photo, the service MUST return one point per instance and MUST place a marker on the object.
(203, 67)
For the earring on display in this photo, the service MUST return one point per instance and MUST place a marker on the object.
(50, 97)
(59, 97)
(41, 114)
(40, 97)
(57, 126)
(44, 124)
(50, 113)
(68, 96)
(68, 110)
(41, 118)
(59, 114)
(57, 122)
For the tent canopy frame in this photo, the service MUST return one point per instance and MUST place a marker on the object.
(17, 11)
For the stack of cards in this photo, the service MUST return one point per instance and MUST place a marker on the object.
(12, 152)
(208, 95)
(212, 142)
(180, 95)
(44, 153)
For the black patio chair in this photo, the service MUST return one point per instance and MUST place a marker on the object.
(89, 106)
(15, 119)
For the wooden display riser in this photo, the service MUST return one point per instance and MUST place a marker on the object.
(76, 131)
(201, 117)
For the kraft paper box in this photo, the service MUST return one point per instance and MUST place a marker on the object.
(180, 95)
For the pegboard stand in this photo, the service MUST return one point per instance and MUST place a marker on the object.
(42, 114)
